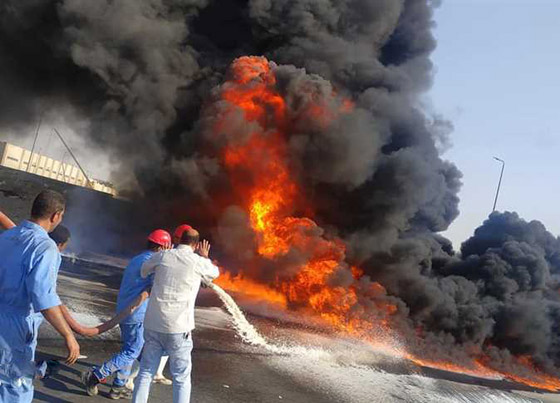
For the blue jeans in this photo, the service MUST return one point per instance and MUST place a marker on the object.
(178, 346)
(18, 341)
(132, 338)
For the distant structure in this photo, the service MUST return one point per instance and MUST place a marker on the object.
(12, 156)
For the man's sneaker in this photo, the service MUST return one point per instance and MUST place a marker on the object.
(162, 380)
(90, 382)
(120, 392)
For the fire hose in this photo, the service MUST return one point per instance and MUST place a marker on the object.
(105, 326)
(115, 320)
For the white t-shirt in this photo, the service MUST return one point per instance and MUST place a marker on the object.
(178, 273)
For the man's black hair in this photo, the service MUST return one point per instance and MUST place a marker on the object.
(152, 246)
(47, 203)
(60, 235)
(189, 239)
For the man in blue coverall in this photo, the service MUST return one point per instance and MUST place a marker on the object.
(132, 327)
(28, 269)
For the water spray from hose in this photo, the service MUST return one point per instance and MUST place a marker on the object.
(248, 332)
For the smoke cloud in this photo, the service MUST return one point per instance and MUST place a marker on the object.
(146, 76)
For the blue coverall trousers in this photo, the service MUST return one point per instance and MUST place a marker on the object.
(18, 341)
(132, 338)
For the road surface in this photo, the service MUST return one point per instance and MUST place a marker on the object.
(312, 366)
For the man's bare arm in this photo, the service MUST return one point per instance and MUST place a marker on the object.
(75, 326)
(5, 221)
(55, 317)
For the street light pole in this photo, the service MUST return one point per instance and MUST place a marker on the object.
(500, 181)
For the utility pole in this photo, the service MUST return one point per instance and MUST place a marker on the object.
(499, 182)
(89, 185)
(34, 142)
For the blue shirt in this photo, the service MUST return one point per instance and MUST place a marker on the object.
(132, 285)
(29, 263)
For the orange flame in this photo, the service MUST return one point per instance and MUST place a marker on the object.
(271, 195)
(477, 369)
(482, 367)
(251, 289)
(533, 376)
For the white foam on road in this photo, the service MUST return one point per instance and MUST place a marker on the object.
(248, 332)
(250, 335)
(357, 384)
(341, 369)
(323, 370)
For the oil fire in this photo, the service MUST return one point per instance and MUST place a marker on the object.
(270, 198)
(259, 167)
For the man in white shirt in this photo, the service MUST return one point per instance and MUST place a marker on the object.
(169, 318)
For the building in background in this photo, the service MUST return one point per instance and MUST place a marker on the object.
(19, 158)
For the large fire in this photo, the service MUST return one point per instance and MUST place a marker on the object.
(261, 160)
(259, 166)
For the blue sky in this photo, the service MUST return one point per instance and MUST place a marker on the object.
(497, 79)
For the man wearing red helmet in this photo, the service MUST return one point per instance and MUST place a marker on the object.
(178, 233)
(170, 314)
(159, 377)
(132, 328)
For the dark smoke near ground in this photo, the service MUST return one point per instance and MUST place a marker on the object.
(500, 295)
(142, 73)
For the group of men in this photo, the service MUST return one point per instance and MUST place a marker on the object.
(170, 271)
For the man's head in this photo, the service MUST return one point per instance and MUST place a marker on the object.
(178, 233)
(61, 236)
(159, 240)
(48, 209)
(190, 237)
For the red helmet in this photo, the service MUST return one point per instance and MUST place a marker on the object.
(180, 229)
(160, 237)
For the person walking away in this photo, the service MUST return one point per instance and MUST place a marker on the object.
(28, 270)
(159, 377)
(61, 237)
(132, 328)
(170, 315)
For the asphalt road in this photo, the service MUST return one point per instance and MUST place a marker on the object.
(224, 370)
(315, 367)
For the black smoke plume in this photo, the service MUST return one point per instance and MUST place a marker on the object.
(143, 74)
